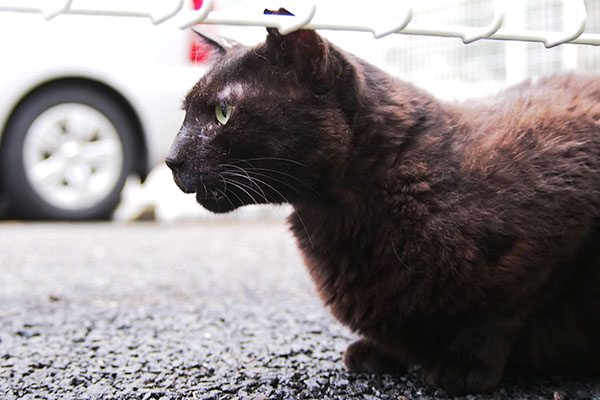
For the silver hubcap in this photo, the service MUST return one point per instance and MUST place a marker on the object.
(73, 156)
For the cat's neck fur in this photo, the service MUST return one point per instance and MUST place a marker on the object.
(389, 118)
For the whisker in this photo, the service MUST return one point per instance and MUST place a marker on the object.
(247, 177)
(226, 197)
(276, 180)
(238, 185)
(250, 169)
(270, 159)
(238, 197)
(255, 181)
(295, 211)
(237, 167)
(398, 255)
(204, 186)
(286, 200)
(224, 183)
(261, 193)
(304, 226)
(273, 189)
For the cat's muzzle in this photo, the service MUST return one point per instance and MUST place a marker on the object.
(182, 179)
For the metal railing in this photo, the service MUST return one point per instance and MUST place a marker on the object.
(160, 11)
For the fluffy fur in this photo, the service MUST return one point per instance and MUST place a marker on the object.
(460, 238)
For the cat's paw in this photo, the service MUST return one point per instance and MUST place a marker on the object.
(363, 356)
(460, 377)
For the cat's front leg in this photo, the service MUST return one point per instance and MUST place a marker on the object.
(458, 375)
(366, 356)
(474, 361)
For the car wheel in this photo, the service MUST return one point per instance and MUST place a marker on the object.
(66, 154)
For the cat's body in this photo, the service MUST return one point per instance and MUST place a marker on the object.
(461, 238)
(488, 223)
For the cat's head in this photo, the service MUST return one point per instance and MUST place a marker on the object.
(266, 124)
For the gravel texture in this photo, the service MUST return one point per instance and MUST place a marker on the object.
(213, 310)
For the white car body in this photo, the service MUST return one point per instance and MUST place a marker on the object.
(147, 65)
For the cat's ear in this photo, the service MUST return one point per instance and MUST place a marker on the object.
(304, 50)
(218, 45)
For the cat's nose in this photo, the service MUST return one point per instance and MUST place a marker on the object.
(173, 163)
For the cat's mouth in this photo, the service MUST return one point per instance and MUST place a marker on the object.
(222, 193)
(214, 200)
(218, 200)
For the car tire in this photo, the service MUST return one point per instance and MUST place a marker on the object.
(66, 154)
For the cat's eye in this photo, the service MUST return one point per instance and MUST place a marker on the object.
(223, 113)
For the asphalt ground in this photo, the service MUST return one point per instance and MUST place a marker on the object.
(198, 310)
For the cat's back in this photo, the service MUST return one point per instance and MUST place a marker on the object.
(557, 106)
(532, 153)
(549, 128)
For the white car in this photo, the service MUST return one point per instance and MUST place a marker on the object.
(86, 99)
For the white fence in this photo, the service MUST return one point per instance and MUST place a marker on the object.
(508, 40)
(160, 11)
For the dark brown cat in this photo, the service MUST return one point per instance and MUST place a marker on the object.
(461, 238)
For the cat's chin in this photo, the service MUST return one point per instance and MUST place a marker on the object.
(217, 205)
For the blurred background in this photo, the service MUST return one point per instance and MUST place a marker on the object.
(91, 100)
